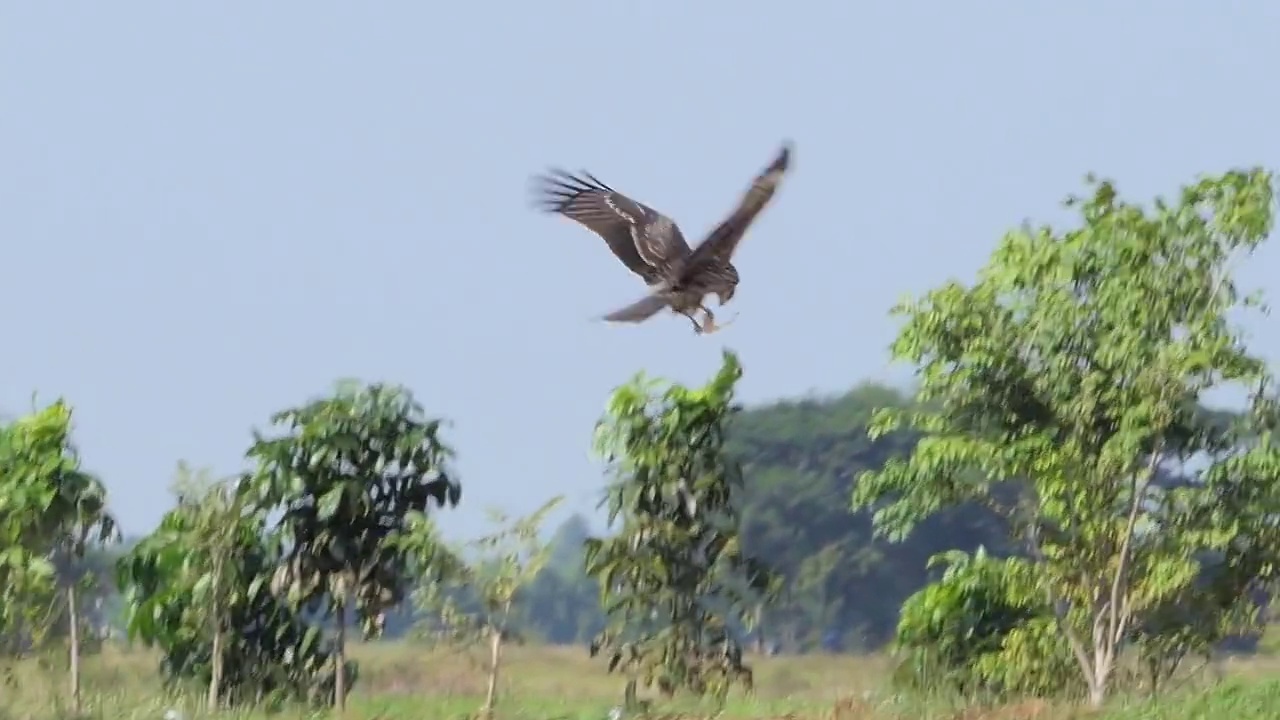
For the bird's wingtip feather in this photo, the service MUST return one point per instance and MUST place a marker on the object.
(640, 310)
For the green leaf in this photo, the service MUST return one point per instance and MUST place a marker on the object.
(329, 503)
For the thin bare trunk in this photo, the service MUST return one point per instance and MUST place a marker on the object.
(340, 656)
(73, 618)
(495, 660)
(215, 673)
(1058, 606)
(1111, 620)
(495, 657)
(759, 622)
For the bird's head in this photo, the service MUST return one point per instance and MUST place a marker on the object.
(728, 284)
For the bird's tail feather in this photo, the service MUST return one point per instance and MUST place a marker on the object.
(640, 310)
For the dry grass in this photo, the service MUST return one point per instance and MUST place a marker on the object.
(408, 681)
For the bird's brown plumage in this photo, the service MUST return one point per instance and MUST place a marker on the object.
(652, 245)
(645, 240)
(721, 243)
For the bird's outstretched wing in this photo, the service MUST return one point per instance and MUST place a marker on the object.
(640, 310)
(721, 243)
(645, 240)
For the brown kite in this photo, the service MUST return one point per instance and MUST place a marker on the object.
(651, 245)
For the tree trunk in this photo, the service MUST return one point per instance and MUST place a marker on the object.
(629, 700)
(340, 656)
(215, 670)
(73, 618)
(1109, 636)
(215, 673)
(1097, 691)
(495, 657)
(1104, 654)
(759, 628)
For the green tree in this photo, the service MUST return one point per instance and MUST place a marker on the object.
(505, 565)
(51, 513)
(212, 538)
(980, 631)
(195, 589)
(1062, 389)
(82, 523)
(31, 450)
(675, 576)
(346, 475)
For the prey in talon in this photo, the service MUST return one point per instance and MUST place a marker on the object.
(652, 246)
(709, 324)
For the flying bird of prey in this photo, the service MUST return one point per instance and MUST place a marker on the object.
(651, 245)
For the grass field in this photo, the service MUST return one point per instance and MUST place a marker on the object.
(404, 681)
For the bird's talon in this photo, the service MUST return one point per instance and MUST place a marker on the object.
(711, 326)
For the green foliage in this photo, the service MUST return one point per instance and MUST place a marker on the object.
(800, 459)
(674, 576)
(470, 602)
(981, 631)
(1062, 389)
(843, 586)
(202, 572)
(507, 561)
(50, 512)
(347, 475)
(1223, 604)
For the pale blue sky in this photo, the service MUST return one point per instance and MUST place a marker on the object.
(209, 211)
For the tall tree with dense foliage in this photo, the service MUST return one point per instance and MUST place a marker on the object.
(674, 578)
(1063, 389)
(347, 474)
